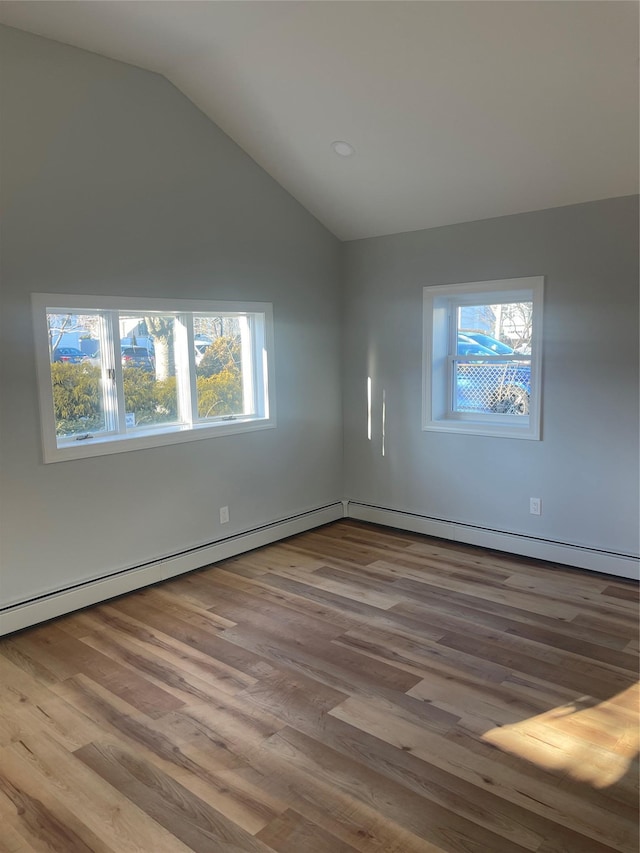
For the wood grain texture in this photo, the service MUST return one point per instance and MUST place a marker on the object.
(353, 689)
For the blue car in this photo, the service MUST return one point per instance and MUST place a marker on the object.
(502, 387)
(70, 355)
(495, 346)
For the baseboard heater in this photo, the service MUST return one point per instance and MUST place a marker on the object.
(59, 602)
(23, 614)
(578, 556)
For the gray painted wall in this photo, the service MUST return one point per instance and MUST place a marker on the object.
(113, 182)
(586, 467)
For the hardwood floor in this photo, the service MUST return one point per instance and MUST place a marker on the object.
(349, 689)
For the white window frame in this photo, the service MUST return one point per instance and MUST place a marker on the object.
(440, 303)
(258, 373)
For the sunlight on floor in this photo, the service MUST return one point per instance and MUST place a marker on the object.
(595, 744)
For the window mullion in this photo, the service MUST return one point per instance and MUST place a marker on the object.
(193, 378)
(185, 368)
(109, 404)
(452, 350)
(247, 345)
(116, 372)
(260, 366)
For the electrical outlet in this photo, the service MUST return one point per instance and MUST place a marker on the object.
(535, 506)
(224, 514)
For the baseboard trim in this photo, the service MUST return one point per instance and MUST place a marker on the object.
(59, 603)
(577, 556)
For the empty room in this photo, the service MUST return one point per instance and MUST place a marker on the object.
(319, 426)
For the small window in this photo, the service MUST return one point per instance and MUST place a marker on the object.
(121, 374)
(482, 359)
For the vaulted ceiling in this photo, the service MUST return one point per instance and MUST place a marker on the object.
(456, 110)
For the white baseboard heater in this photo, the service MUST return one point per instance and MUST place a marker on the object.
(578, 556)
(60, 602)
(31, 612)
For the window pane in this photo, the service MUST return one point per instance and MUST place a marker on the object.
(76, 374)
(500, 328)
(500, 387)
(222, 355)
(148, 369)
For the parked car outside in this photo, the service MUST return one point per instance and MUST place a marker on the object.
(496, 346)
(467, 346)
(137, 357)
(70, 355)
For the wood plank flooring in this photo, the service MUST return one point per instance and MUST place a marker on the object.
(350, 689)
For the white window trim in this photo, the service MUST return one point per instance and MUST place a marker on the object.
(262, 382)
(437, 331)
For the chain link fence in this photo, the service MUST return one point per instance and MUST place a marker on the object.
(500, 387)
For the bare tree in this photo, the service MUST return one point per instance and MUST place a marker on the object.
(216, 327)
(57, 331)
(517, 324)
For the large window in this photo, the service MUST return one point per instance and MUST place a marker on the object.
(123, 373)
(482, 357)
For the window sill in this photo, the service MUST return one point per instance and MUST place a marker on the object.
(501, 430)
(143, 439)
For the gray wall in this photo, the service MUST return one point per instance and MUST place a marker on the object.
(113, 182)
(586, 467)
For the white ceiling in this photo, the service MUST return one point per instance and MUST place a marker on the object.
(457, 110)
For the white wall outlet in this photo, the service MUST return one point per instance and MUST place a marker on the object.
(224, 514)
(535, 506)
